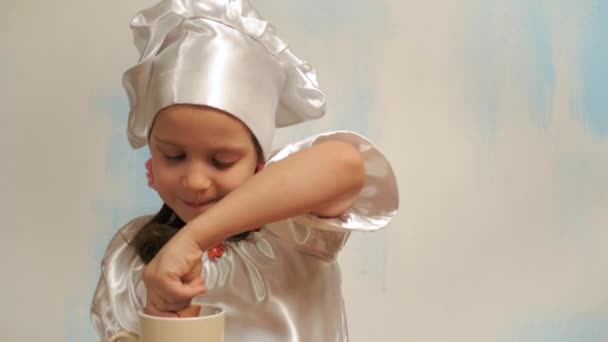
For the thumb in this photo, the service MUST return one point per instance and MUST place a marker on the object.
(194, 280)
(197, 285)
(194, 287)
(195, 272)
(182, 290)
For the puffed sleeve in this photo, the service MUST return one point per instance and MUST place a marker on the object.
(374, 208)
(120, 293)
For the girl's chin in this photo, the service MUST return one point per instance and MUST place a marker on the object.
(191, 211)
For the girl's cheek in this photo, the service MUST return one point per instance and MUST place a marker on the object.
(166, 180)
(227, 184)
(241, 179)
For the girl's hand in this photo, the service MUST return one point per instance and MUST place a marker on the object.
(173, 277)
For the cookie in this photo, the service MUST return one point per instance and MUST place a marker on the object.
(191, 311)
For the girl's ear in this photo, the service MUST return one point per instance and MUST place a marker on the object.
(150, 173)
(261, 165)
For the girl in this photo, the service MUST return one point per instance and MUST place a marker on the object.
(263, 229)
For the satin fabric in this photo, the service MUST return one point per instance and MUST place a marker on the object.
(217, 53)
(282, 284)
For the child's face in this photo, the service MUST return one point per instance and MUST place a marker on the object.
(199, 155)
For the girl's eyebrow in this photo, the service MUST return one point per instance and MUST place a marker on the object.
(165, 142)
(230, 148)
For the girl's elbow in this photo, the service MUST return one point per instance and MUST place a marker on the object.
(348, 170)
(356, 166)
(349, 163)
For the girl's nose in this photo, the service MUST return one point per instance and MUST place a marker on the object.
(196, 178)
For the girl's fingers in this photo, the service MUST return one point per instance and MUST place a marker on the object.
(169, 294)
(177, 291)
(197, 284)
(195, 272)
(162, 304)
(152, 310)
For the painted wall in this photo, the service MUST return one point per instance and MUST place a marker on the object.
(493, 113)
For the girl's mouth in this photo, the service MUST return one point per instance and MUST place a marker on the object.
(199, 205)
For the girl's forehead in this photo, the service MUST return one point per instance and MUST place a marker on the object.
(191, 125)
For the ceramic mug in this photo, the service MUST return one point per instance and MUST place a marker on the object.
(207, 327)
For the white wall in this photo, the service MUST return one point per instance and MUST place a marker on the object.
(492, 113)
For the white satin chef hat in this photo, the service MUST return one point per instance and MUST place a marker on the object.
(217, 53)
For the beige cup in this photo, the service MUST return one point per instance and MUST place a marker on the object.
(207, 327)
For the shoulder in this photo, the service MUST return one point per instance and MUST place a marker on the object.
(120, 293)
(128, 231)
(123, 237)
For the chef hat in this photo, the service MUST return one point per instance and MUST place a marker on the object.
(217, 53)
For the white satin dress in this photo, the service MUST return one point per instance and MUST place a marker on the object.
(282, 284)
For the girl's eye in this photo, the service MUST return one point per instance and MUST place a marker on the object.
(176, 157)
(221, 164)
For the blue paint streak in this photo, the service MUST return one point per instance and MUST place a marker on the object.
(594, 68)
(589, 328)
(527, 40)
(543, 80)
